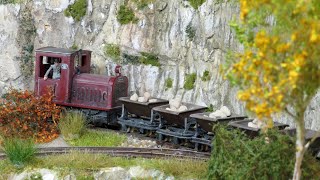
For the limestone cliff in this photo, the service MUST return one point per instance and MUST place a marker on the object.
(161, 29)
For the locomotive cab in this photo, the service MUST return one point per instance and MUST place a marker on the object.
(76, 87)
(70, 63)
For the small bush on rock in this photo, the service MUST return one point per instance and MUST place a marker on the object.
(196, 3)
(126, 15)
(76, 10)
(149, 58)
(190, 80)
(205, 76)
(113, 51)
(19, 151)
(24, 115)
(269, 156)
(169, 83)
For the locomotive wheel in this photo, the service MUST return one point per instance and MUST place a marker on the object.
(175, 140)
(123, 127)
(141, 131)
(160, 137)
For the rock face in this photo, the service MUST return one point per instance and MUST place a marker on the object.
(185, 40)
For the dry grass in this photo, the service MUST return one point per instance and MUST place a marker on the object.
(83, 164)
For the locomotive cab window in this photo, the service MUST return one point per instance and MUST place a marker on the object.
(45, 65)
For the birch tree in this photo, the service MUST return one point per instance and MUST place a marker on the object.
(279, 66)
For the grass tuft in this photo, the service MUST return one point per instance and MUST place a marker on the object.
(142, 3)
(19, 151)
(99, 138)
(189, 81)
(72, 125)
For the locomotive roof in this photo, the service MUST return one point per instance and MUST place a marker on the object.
(55, 50)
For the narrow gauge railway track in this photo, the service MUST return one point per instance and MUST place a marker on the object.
(124, 152)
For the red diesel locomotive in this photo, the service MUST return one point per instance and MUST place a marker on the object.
(95, 95)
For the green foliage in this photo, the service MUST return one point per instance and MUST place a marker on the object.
(196, 3)
(205, 76)
(99, 138)
(169, 82)
(19, 151)
(142, 3)
(269, 156)
(130, 59)
(10, 1)
(189, 81)
(113, 51)
(191, 32)
(76, 10)
(74, 47)
(72, 125)
(149, 58)
(126, 15)
(210, 108)
(36, 176)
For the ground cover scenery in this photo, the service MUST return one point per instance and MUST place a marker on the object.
(258, 58)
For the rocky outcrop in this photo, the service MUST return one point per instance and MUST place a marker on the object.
(185, 40)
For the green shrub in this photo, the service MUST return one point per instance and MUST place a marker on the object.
(126, 15)
(205, 76)
(190, 80)
(74, 47)
(76, 10)
(148, 58)
(210, 108)
(113, 51)
(72, 125)
(169, 82)
(196, 3)
(19, 151)
(142, 3)
(269, 156)
(127, 58)
(191, 32)
(36, 176)
(10, 1)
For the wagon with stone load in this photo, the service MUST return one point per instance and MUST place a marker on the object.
(252, 132)
(314, 146)
(204, 127)
(138, 115)
(176, 125)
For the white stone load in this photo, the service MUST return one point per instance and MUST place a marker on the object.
(256, 124)
(175, 105)
(145, 98)
(223, 112)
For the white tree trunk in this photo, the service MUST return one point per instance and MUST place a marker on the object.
(300, 148)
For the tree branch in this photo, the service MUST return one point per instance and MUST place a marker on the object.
(290, 114)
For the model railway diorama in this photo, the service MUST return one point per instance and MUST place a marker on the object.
(105, 101)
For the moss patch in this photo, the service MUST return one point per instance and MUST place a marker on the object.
(149, 58)
(76, 10)
(169, 82)
(10, 1)
(112, 51)
(126, 15)
(191, 32)
(189, 81)
(196, 3)
(205, 76)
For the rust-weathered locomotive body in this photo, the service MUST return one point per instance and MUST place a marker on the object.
(94, 94)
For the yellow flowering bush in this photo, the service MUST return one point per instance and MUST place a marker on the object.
(280, 62)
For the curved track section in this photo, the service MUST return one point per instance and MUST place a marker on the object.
(124, 152)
